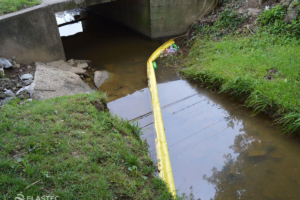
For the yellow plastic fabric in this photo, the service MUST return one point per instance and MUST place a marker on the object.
(161, 143)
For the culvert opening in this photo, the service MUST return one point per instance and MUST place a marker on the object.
(118, 52)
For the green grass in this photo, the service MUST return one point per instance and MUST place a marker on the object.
(8, 6)
(74, 151)
(262, 69)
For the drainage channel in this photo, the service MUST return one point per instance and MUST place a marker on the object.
(217, 150)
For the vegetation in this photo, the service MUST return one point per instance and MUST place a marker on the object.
(228, 22)
(72, 148)
(262, 69)
(8, 6)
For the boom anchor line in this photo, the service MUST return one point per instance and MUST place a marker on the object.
(164, 163)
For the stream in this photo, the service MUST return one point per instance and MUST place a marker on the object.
(217, 149)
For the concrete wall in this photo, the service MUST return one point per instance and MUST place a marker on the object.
(32, 34)
(173, 17)
(156, 18)
(31, 37)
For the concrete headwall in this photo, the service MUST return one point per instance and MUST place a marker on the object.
(156, 18)
(31, 37)
(32, 34)
(173, 17)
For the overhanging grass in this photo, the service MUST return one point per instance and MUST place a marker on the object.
(8, 6)
(263, 70)
(74, 151)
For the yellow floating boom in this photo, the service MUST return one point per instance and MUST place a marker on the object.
(161, 143)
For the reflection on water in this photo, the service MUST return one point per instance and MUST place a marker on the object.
(214, 144)
(70, 29)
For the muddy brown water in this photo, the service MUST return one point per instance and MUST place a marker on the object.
(216, 147)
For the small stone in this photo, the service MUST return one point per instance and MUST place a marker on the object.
(71, 62)
(5, 63)
(9, 93)
(17, 65)
(100, 77)
(26, 76)
(27, 82)
(29, 67)
(19, 85)
(56, 112)
(83, 66)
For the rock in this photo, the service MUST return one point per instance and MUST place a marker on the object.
(100, 77)
(62, 65)
(5, 63)
(27, 82)
(26, 76)
(71, 62)
(19, 85)
(292, 12)
(28, 88)
(83, 66)
(29, 67)
(24, 94)
(51, 82)
(9, 93)
(17, 65)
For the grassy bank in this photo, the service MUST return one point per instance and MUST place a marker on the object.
(71, 148)
(261, 69)
(8, 6)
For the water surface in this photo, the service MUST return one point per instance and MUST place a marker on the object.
(215, 146)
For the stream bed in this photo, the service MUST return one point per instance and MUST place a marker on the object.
(217, 150)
